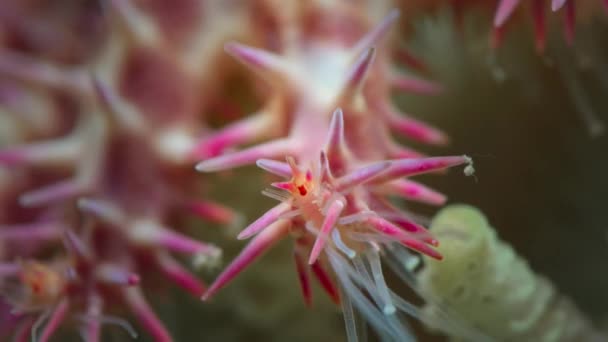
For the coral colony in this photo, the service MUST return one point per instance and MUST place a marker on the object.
(98, 143)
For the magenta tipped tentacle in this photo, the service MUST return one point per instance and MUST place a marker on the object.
(326, 282)
(214, 212)
(260, 243)
(504, 11)
(241, 132)
(538, 16)
(271, 149)
(57, 317)
(356, 76)
(262, 61)
(412, 128)
(410, 167)
(179, 275)
(269, 218)
(116, 275)
(557, 4)
(361, 176)
(372, 38)
(415, 85)
(412, 190)
(145, 315)
(303, 277)
(331, 219)
(276, 167)
(54, 193)
(569, 20)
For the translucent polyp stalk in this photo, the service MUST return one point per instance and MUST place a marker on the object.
(260, 244)
(383, 292)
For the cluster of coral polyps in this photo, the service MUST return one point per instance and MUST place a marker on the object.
(97, 176)
(90, 199)
(341, 167)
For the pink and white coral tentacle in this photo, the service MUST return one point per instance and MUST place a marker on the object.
(340, 220)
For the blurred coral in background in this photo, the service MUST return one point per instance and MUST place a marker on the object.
(123, 124)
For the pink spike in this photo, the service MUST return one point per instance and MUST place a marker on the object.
(538, 15)
(497, 37)
(372, 38)
(303, 278)
(557, 4)
(407, 58)
(413, 191)
(412, 128)
(272, 149)
(57, 317)
(144, 313)
(256, 59)
(283, 185)
(179, 275)
(23, 331)
(357, 73)
(104, 210)
(111, 102)
(569, 22)
(326, 175)
(116, 275)
(410, 167)
(504, 11)
(335, 147)
(326, 282)
(421, 247)
(331, 218)
(415, 85)
(212, 211)
(361, 176)
(270, 217)
(76, 246)
(31, 70)
(293, 166)
(53, 193)
(36, 231)
(391, 230)
(260, 244)
(237, 133)
(276, 167)
(177, 242)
